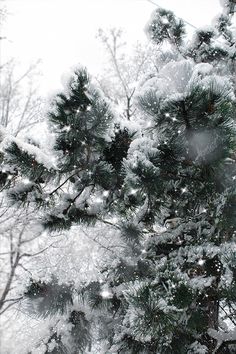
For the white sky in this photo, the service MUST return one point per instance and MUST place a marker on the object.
(62, 32)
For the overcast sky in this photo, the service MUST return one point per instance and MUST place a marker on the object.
(62, 32)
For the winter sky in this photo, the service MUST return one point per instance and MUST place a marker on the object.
(63, 32)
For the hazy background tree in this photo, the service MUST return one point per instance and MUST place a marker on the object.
(20, 110)
(20, 101)
(123, 69)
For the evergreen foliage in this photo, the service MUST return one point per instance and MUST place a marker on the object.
(171, 288)
(164, 25)
(53, 297)
(80, 119)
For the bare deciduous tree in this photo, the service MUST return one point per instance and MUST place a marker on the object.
(20, 104)
(125, 71)
(19, 236)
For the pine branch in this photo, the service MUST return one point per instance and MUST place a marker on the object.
(63, 183)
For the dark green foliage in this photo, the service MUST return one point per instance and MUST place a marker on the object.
(183, 296)
(3, 178)
(198, 320)
(180, 342)
(81, 119)
(131, 346)
(167, 286)
(81, 216)
(77, 100)
(199, 138)
(117, 151)
(80, 332)
(184, 172)
(165, 26)
(56, 298)
(25, 193)
(131, 233)
(205, 35)
(52, 296)
(208, 54)
(149, 218)
(69, 216)
(35, 288)
(56, 223)
(231, 261)
(7, 175)
(150, 313)
(104, 175)
(207, 44)
(92, 294)
(202, 109)
(26, 163)
(125, 272)
(26, 180)
(59, 347)
(222, 24)
(229, 213)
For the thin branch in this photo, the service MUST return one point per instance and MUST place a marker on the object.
(108, 223)
(62, 184)
(10, 305)
(29, 255)
(227, 315)
(15, 299)
(25, 269)
(99, 243)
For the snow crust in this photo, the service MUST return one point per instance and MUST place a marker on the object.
(41, 157)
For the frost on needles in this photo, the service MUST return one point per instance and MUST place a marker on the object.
(166, 192)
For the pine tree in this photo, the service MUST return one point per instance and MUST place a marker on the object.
(177, 287)
(172, 289)
(79, 186)
(75, 188)
(80, 119)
